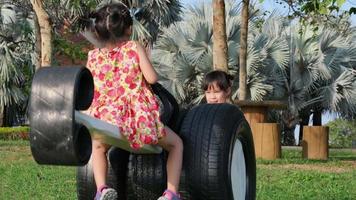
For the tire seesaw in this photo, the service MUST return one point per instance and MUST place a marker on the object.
(219, 159)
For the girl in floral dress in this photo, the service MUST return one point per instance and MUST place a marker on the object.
(122, 73)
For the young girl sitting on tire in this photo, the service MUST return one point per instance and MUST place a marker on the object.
(217, 87)
(122, 73)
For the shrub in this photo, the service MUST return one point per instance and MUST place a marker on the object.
(14, 133)
(342, 133)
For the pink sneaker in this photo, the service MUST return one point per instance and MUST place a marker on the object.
(106, 193)
(169, 195)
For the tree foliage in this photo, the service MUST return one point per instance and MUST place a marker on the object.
(317, 12)
(183, 54)
(342, 133)
(16, 69)
(149, 16)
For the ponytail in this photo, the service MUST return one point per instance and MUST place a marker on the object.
(110, 21)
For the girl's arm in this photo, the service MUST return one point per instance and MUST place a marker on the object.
(146, 67)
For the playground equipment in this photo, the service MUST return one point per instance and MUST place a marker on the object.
(219, 158)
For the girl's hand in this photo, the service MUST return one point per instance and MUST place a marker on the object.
(148, 71)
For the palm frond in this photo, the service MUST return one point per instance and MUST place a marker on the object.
(341, 92)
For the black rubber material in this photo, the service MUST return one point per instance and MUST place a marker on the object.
(146, 176)
(147, 170)
(55, 138)
(170, 106)
(118, 160)
(209, 132)
(116, 177)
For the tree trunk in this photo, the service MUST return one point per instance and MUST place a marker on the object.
(46, 32)
(37, 32)
(243, 92)
(304, 122)
(317, 118)
(219, 36)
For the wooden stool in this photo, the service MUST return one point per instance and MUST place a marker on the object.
(315, 142)
(267, 140)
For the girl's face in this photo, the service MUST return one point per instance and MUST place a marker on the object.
(216, 95)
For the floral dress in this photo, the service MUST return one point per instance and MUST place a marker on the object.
(122, 96)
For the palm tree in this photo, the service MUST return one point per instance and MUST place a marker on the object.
(243, 92)
(149, 16)
(219, 35)
(320, 76)
(308, 69)
(15, 62)
(45, 30)
(183, 55)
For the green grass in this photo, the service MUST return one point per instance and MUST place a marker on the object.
(288, 178)
(22, 178)
(292, 177)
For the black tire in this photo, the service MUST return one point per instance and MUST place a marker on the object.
(55, 136)
(116, 177)
(219, 156)
(147, 178)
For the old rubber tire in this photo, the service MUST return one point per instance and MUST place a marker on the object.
(146, 176)
(116, 177)
(55, 137)
(219, 156)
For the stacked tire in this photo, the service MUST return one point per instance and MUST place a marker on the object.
(116, 176)
(219, 159)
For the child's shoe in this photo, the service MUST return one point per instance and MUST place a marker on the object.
(106, 193)
(169, 195)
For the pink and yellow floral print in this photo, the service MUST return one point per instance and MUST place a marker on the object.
(121, 95)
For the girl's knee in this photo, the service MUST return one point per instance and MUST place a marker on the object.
(99, 147)
(177, 144)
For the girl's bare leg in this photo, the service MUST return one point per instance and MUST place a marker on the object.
(174, 145)
(99, 162)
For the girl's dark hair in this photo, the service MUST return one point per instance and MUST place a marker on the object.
(222, 79)
(111, 21)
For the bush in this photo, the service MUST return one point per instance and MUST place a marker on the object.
(14, 133)
(342, 133)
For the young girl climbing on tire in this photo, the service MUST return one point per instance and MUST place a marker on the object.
(122, 75)
(217, 87)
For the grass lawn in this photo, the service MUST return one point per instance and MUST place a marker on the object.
(288, 178)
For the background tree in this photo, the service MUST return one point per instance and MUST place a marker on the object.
(303, 68)
(45, 31)
(219, 36)
(342, 133)
(309, 9)
(16, 69)
(319, 77)
(243, 92)
(183, 54)
(55, 15)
